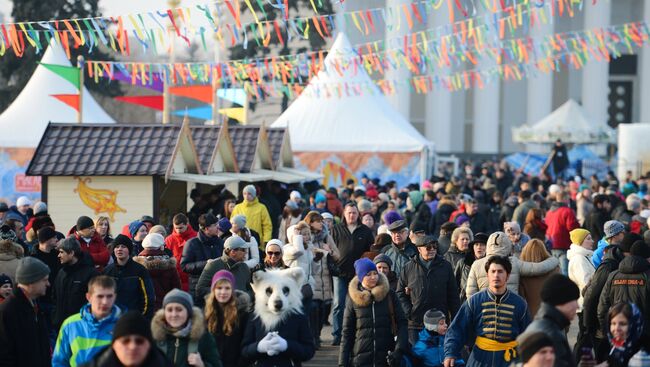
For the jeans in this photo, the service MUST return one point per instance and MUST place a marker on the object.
(338, 305)
(564, 262)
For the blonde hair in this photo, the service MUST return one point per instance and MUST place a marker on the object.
(229, 311)
(100, 218)
(461, 230)
(534, 251)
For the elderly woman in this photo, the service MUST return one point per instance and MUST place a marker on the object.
(518, 239)
(460, 240)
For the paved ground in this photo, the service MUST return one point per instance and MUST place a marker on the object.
(328, 355)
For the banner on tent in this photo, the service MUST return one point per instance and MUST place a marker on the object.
(338, 167)
(13, 164)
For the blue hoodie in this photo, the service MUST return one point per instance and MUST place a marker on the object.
(597, 257)
(82, 336)
(430, 349)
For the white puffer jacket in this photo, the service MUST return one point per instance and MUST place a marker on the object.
(295, 255)
(581, 268)
(499, 244)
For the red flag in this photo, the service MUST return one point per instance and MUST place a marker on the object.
(71, 100)
(155, 102)
(203, 93)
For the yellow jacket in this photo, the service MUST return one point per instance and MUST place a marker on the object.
(257, 218)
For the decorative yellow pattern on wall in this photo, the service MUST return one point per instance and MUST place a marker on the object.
(99, 200)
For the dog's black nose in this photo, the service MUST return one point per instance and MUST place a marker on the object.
(277, 304)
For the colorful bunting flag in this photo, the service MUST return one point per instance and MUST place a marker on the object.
(237, 113)
(68, 73)
(71, 100)
(155, 102)
(203, 93)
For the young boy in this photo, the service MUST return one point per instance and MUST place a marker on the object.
(6, 287)
(431, 341)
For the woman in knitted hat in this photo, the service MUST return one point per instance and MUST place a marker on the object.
(273, 257)
(239, 228)
(179, 331)
(372, 319)
(580, 269)
(226, 313)
(161, 267)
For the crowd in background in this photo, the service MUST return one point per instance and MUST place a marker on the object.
(487, 268)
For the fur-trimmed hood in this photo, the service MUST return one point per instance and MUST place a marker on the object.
(158, 325)
(244, 303)
(363, 297)
(156, 262)
(11, 248)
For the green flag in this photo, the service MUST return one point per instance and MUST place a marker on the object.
(69, 73)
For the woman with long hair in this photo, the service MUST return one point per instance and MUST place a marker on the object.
(530, 288)
(228, 207)
(226, 313)
(624, 334)
(179, 331)
(535, 226)
(103, 228)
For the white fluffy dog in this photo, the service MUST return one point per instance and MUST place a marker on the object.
(277, 295)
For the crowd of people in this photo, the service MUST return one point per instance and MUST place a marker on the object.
(485, 269)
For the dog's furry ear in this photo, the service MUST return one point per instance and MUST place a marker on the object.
(297, 274)
(258, 276)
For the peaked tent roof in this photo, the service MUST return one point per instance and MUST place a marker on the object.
(24, 121)
(363, 123)
(570, 122)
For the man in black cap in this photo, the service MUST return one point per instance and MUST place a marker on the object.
(427, 281)
(134, 285)
(401, 250)
(628, 284)
(132, 345)
(71, 283)
(559, 306)
(201, 250)
(23, 326)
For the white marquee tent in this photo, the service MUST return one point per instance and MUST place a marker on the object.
(570, 122)
(24, 121)
(364, 123)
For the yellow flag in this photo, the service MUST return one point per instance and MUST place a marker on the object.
(237, 113)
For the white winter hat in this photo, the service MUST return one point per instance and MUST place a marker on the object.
(23, 200)
(295, 195)
(153, 241)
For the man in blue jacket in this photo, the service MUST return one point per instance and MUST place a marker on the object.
(85, 334)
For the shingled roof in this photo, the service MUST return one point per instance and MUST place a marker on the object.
(205, 139)
(276, 139)
(105, 150)
(244, 142)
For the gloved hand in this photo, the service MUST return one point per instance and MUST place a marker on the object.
(280, 343)
(264, 344)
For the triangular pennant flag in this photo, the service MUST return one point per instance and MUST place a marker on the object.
(201, 113)
(155, 102)
(203, 93)
(68, 73)
(71, 100)
(236, 95)
(237, 113)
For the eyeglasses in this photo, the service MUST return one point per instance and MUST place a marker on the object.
(137, 340)
(274, 253)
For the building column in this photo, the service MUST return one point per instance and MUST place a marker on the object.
(401, 99)
(438, 119)
(540, 87)
(644, 74)
(595, 75)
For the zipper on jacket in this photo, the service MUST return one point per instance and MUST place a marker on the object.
(176, 345)
(374, 335)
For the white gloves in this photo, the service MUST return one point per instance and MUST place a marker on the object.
(272, 344)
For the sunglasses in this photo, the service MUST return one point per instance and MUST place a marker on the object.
(240, 249)
(431, 246)
(274, 253)
(137, 340)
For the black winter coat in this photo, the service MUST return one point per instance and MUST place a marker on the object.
(552, 322)
(52, 261)
(367, 335)
(628, 284)
(24, 337)
(70, 288)
(196, 253)
(107, 358)
(595, 223)
(134, 287)
(429, 287)
(454, 256)
(441, 217)
(592, 291)
(461, 272)
(294, 329)
(351, 246)
(479, 223)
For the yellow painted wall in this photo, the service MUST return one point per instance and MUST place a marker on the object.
(134, 195)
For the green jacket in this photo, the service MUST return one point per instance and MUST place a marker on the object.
(177, 348)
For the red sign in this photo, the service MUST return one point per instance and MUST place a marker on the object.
(25, 183)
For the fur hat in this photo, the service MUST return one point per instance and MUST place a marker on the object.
(239, 220)
(45, 234)
(383, 258)
(181, 297)
(224, 225)
(221, 275)
(251, 190)
(578, 235)
(84, 222)
(154, 241)
(363, 266)
(559, 289)
(529, 344)
(132, 323)
(612, 228)
(30, 270)
(431, 319)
